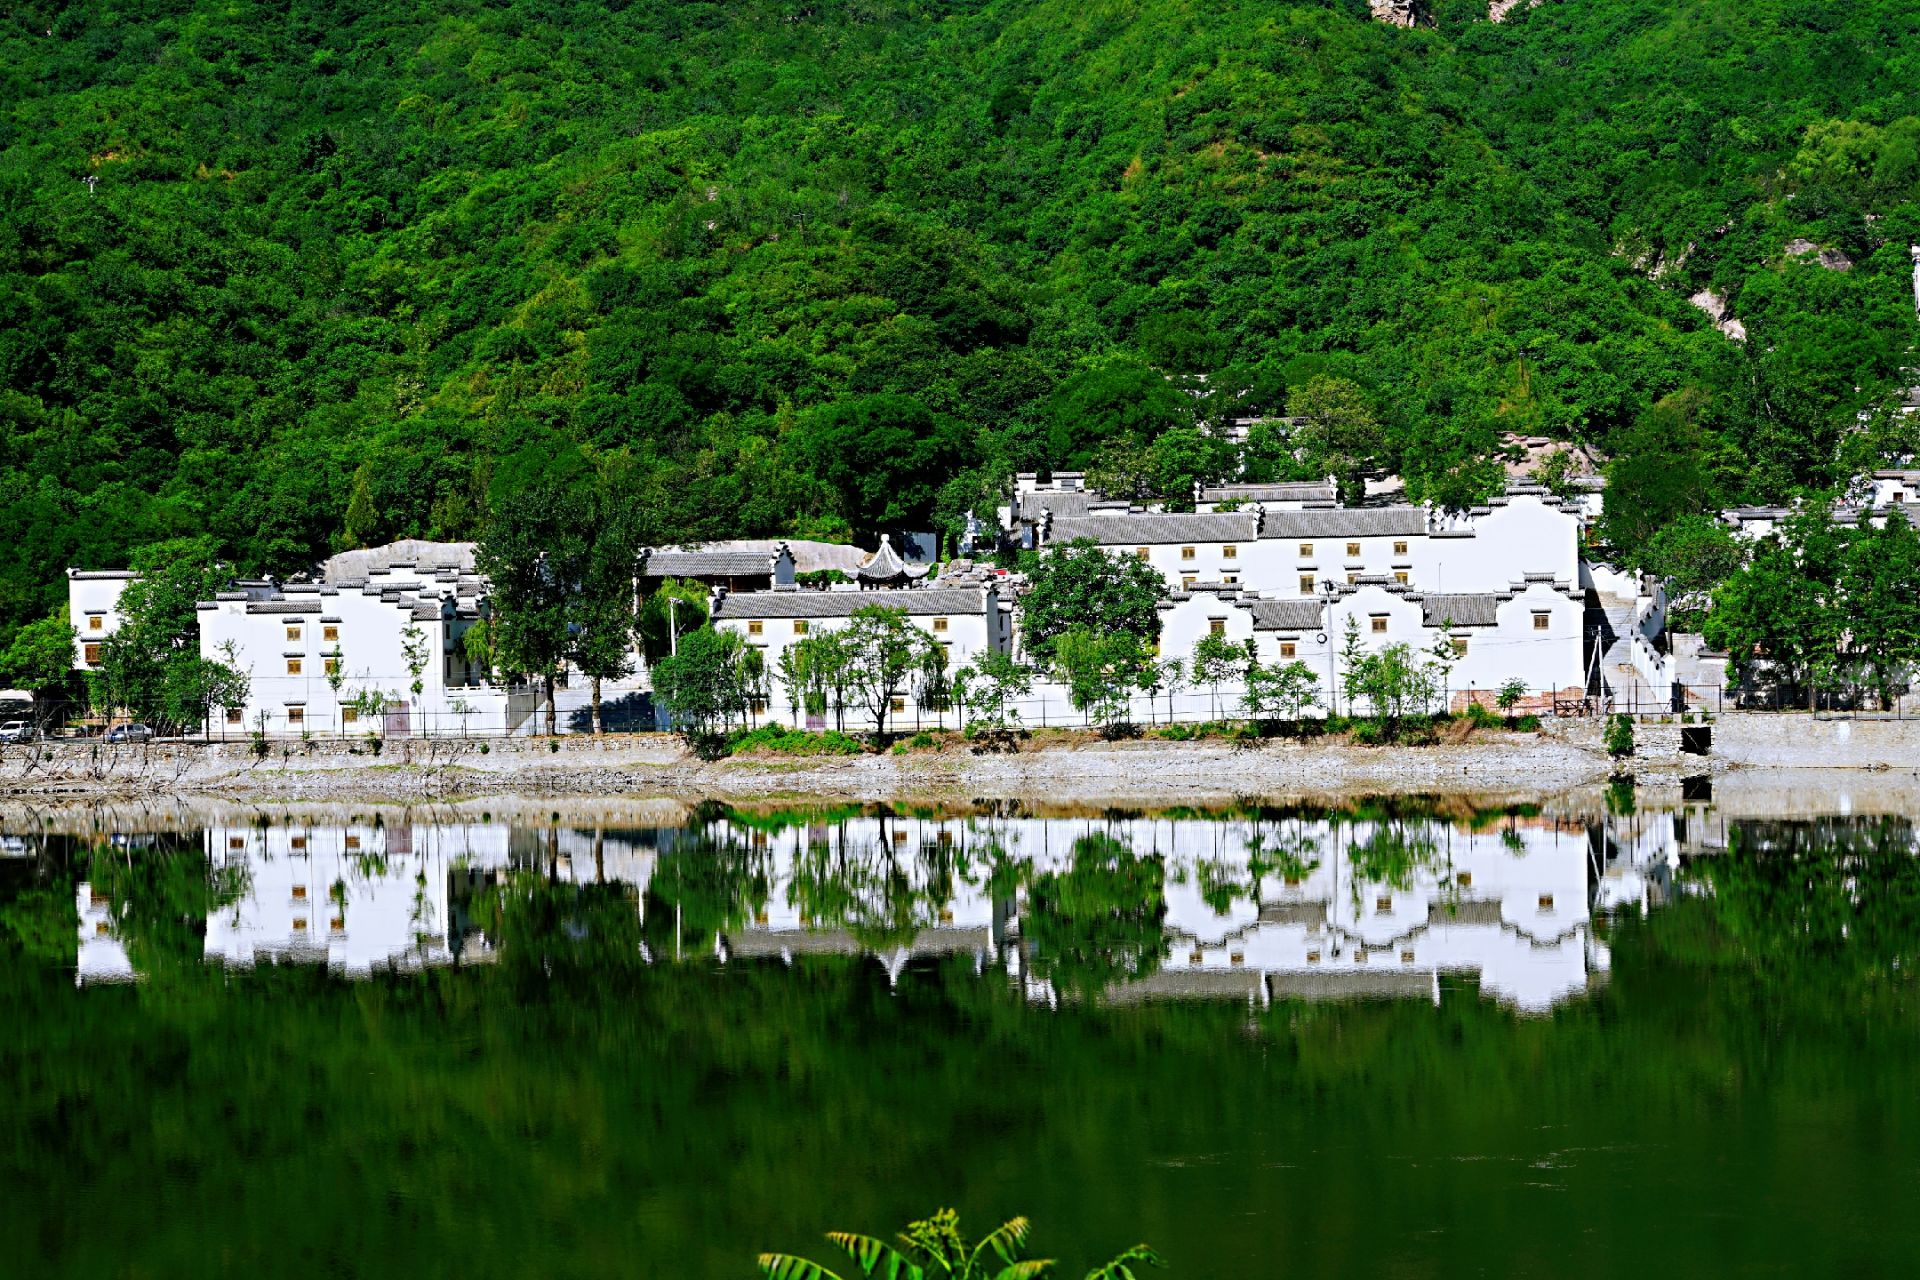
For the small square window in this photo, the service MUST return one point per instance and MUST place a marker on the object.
(297, 842)
(939, 624)
(1546, 902)
(1383, 905)
(1352, 578)
(1353, 549)
(332, 665)
(1229, 553)
(898, 705)
(337, 924)
(331, 634)
(799, 626)
(1313, 957)
(99, 928)
(353, 842)
(1399, 548)
(1379, 624)
(96, 622)
(1400, 576)
(1217, 626)
(1231, 579)
(92, 655)
(293, 633)
(1306, 584)
(899, 835)
(1288, 648)
(349, 715)
(1406, 957)
(293, 666)
(1186, 553)
(236, 842)
(1186, 582)
(299, 926)
(234, 715)
(1139, 553)
(1542, 621)
(296, 715)
(755, 628)
(1464, 879)
(1306, 550)
(299, 893)
(1459, 646)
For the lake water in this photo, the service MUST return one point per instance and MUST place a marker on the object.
(640, 1039)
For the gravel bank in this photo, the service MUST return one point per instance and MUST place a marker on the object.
(1077, 770)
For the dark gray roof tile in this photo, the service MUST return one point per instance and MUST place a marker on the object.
(1158, 527)
(839, 604)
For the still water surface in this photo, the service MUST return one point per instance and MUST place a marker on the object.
(642, 1040)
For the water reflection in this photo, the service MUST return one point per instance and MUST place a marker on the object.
(1254, 904)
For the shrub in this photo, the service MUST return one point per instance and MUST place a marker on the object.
(1528, 723)
(774, 739)
(1620, 736)
(1481, 718)
(484, 748)
(921, 741)
(553, 744)
(1418, 731)
(1368, 733)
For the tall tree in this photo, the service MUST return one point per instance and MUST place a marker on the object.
(1079, 585)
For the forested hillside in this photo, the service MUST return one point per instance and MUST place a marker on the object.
(308, 275)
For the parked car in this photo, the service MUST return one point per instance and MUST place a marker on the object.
(18, 731)
(130, 733)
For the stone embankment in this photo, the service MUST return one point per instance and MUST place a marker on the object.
(1060, 766)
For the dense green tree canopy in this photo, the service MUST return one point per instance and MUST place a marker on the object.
(296, 276)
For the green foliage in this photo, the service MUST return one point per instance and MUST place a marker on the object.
(1100, 921)
(1619, 737)
(1216, 659)
(811, 268)
(772, 739)
(702, 687)
(989, 688)
(1284, 691)
(40, 657)
(1078, 585)
(1101, 671)
(681, 605)
(884, 651)
(1822, 608)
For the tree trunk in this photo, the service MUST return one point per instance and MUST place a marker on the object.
(596, 705)
(553, 712)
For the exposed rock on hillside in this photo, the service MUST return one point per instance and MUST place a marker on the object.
(1497, 10)
(1401, 13)
(1831, 259)
(1716, 308)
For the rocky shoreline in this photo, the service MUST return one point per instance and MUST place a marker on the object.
(1055, 765)
(1068, 768)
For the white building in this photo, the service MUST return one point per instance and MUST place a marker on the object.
(965, 621)
(93, 610)
(377, 623)
(1533, 631)
(1298, 550)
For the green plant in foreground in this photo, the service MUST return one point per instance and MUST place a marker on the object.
(1620, 737)
(935, 1247)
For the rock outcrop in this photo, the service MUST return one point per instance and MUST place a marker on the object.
(1716, 308)
(1831, 259)
(1497, 10)
(1400, 13)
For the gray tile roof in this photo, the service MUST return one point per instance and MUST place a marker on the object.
(283, 606)
(1461, 610)
(1346, 522)
(1062, 502)
(1285, 491)
(919, 601)
(1285, 615)
(1136, 530)
(704, 564)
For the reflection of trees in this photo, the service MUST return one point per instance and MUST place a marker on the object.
(159, 896)
(1289, 854)
(704, 885)
(554, 925)
(878, 890)
(1842, 894)
(1393, 854)
(1100, 922)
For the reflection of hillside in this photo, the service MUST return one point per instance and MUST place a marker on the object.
(1259, 906)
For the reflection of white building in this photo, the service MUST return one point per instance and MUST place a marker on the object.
(1507, 907)
(102, 955)
(355, 897)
